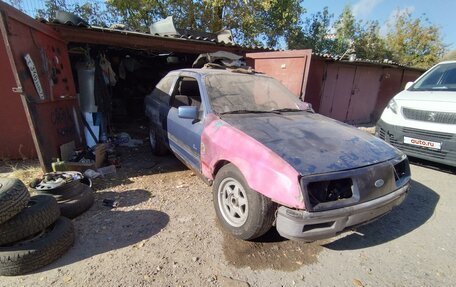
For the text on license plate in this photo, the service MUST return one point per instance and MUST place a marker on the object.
(423, 143)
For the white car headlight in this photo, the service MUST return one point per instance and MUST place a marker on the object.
(392, 105)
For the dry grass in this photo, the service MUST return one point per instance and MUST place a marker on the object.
(23, 170)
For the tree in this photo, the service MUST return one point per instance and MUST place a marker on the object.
(414, 42)
(347, 31)
(93, 13)
(139, 14)
(369, 44)
(280, 20)
(314, 33)
(252, 22)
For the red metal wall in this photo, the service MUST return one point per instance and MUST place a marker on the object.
(391, 83)
(354, 92)
(53, 116)
(337, 91)
(315, 80)
(16, 140)
(364, 94)
(289, 67)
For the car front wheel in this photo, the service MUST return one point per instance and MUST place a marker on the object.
(245, 213)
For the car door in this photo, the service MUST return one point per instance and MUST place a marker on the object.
(185, 134)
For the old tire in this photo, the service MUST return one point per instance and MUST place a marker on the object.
(41, 211)
(13, 198)
(156, 143)
(77, 205)
(65, 191)
(46, 247)
(245, 213)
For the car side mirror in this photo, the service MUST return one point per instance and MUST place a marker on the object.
(187, 112)
(408, 85)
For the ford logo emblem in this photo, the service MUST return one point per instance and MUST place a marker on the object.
(379, 183)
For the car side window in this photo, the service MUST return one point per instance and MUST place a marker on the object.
(186, 93)
(163, 88)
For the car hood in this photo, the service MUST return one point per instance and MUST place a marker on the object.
(444, 101)
(312, 143)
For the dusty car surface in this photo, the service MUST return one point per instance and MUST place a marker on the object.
(270, 158)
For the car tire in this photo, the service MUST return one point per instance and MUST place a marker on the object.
(75, 206)
(41, 212)
(13, 198)
(66, 191)
(156, 144)
(45, 247)
(242, 211)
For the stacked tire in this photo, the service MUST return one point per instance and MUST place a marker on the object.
(32, 232)
(71, 190)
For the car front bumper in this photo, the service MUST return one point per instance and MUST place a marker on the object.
(309, 226)
(394, 135)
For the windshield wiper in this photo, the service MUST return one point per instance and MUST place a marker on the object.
(288, 110)
(246, 112)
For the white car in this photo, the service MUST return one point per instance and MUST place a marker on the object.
(421, 120)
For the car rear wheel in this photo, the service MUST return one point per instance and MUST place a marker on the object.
(156, 145)
(245, 213)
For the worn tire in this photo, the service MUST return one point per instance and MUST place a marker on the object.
(77, 205)
(156, 143)
(66, 191)
(41, 212)
(13, 198)
(46, 247)
(260, 209)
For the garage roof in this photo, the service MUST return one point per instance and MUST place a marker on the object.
(189, 42)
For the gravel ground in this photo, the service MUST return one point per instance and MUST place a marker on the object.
(165, 233)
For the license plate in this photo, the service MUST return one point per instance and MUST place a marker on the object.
(423, 143)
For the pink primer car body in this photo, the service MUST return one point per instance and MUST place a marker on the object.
(270, 158)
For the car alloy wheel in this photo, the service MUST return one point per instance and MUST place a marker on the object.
(233, 202)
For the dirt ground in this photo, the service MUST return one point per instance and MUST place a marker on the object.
(165, 233)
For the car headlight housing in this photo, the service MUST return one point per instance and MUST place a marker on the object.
(392, 105)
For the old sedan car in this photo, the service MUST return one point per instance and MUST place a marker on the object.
(270, 159)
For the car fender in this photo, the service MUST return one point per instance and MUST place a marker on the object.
(264, 171)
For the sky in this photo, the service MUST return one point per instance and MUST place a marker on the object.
(439, 12)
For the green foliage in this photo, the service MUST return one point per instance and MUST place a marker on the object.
(413, 42)
(409, 41)
(251, 22)
(313, 33)
(369, 44)
(92, 12)
(347, 30)
(138, 14)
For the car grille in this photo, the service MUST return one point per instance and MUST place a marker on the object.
(416, 150)
(429, 116)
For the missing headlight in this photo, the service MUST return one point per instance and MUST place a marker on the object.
(329, 190)
(401, 170)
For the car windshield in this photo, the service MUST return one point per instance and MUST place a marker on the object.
(442, 77)
(247, 93)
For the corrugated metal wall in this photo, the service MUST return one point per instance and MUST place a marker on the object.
(354, 92)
